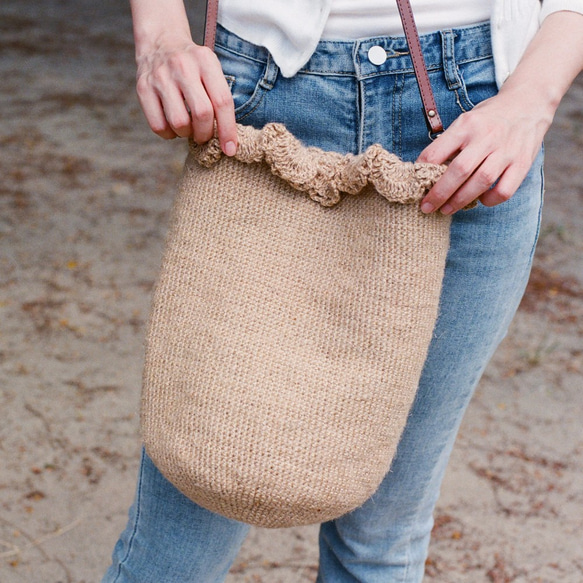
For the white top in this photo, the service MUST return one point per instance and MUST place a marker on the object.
(348, 19)
(290, 30)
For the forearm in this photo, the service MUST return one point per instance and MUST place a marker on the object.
(156, 22)
(550, 64)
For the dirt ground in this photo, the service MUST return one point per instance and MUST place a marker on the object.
(85, 190)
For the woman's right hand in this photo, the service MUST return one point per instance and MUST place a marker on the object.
(183, 92)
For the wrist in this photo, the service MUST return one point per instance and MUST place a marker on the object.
(530, 99)
(158, 24)
(149, 42)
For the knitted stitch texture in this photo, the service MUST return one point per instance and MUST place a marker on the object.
(287, 338)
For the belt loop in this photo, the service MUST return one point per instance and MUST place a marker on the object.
(270, 74)
(356, 58)
(449, 65)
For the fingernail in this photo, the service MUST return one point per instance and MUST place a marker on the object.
(427, 207)
(230, 148)
(446, 209)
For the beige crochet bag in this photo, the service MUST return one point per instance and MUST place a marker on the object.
(287, 337)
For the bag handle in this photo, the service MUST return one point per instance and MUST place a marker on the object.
(429, 106)
(210, 23)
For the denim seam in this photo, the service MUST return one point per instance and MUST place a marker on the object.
(322, 578)
(138, 514)
(540, 210)
(467, 105)
(270, 74)
(474, 59)
(463, 98)
(397, 146)
(265, 84)
(241, 115)
(462, 95)
(327, 72)
(242, 55)
(332, 72)
(361, 121)
(431, 68)
(450, 69)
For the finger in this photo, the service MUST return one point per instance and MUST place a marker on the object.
(477, 184)
(224, 110)
(219, 93)
(449, 144)
(154, 112)
(176, 112)
(442, 149)
(460, 169)
(505, 188)
(202, 115)
(194, 84)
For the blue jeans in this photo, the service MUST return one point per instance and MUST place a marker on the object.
(341, 101)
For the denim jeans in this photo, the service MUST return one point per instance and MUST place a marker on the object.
(341, 101)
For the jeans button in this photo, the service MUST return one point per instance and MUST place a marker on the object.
(377, 55)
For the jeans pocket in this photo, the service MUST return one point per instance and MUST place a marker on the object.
(477, 83)
(245, 79)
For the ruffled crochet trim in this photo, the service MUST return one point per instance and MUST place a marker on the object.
(326, 176)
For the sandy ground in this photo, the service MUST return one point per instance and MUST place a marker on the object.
(85, 190)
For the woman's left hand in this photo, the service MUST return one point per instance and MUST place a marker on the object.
(489, 151)
(491, 148)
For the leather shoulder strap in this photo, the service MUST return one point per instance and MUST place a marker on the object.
(210, 24)
(429, 106)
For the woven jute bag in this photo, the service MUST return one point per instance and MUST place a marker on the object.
(287, 337)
